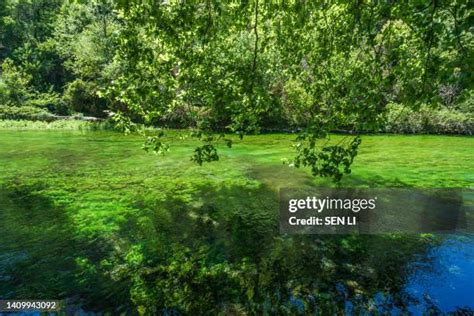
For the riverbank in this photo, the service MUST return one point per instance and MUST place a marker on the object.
(63, 124)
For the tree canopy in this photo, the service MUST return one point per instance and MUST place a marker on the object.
(234, 66)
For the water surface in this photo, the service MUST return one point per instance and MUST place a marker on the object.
(91, 218)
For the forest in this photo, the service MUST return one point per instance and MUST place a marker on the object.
(237, 99)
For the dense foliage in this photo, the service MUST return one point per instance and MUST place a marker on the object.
(240, 67)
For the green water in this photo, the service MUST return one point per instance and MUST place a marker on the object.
(91, 217)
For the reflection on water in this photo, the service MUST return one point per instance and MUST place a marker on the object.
(440, 283)
(446, 280)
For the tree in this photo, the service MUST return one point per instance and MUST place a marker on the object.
(85, 37)
(329, 66)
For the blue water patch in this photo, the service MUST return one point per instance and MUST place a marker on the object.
(446, 279)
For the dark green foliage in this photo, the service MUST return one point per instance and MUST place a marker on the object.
(16, 92)
(26, 22)
(155, 144)
(14, 85)
(205, 153)
(50, 101)
(82, 97)
(57, 47)
(331, 161)
(208, 151)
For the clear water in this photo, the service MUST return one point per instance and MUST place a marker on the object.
(446, 278)
(77, 206)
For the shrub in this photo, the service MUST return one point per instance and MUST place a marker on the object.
(466, 103)
(50, 101)
(3, 92)
(81, 97)
(14, 84)
(25, 102)
(428, 121)
(55, 125)
(23, 113)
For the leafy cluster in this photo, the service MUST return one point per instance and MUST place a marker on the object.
(329, 161)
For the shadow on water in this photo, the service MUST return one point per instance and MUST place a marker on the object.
(207, 247)
(374, 181)
(35, 244)
(220, 249)
(40, 255)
